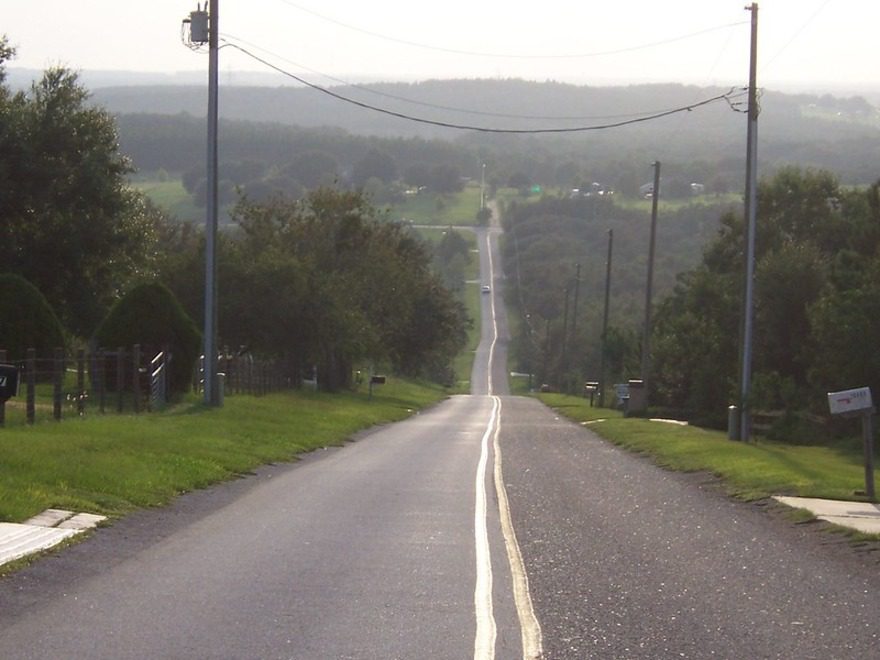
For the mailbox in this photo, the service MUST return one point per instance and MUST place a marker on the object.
(8, 382)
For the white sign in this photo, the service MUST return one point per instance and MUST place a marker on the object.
(850, 401)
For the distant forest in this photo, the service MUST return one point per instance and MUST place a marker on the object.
(163, 127)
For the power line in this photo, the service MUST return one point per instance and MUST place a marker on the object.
(456, 51)
(226, 37)
(795, 35)
(728, 97)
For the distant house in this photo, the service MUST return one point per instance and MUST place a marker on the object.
(646, 190)
(698, 189)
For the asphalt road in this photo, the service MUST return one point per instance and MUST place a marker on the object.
(393, 546)
(397, 546)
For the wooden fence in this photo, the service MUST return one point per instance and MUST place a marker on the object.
(124, 379)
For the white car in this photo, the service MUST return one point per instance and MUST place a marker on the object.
(486, 288)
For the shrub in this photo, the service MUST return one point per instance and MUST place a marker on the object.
(151, 316)
(26, 319)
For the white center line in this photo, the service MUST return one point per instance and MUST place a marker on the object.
(484, 644)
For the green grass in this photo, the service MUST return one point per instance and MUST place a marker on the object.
(749, 471)
(113, 464)
(426, 208)
(171, 197)
(464, 362)
(641, 204)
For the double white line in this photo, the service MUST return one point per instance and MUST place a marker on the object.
(484, 643)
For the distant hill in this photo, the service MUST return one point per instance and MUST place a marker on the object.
(840, 134)
(516, 104)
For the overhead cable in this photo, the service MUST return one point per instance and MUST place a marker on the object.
(733, 93)
(370, 90)
(520, 56)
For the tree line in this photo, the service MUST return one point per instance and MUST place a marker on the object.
(817, 298)
(323, 280)
(263, 157)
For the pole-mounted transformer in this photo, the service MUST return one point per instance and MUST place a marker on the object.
(198, 25)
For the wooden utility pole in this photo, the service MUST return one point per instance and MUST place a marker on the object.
(605, 320)
(649, 286)
(751, 208)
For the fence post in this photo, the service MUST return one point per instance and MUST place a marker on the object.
(120, 377)
(101, 376)
(80, 382)
(136, 376)
(58, 383)
(31, 368)
(2, 403)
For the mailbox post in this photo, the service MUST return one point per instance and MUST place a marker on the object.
(858, 403)
(376, 380)
(8, 387)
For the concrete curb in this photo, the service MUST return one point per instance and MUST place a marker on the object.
(861, 516)
(42, 532)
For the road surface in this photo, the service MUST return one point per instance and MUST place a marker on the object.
(485, 527)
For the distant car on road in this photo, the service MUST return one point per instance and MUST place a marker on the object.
(486, 289)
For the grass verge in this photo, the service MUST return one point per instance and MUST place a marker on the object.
(116, 463)
(748, 471)
(464, 362)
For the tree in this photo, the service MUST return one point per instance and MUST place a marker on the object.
(816, 302)
(445, 179)
(151, 316)
(375, 164)
(28, 319)
(313, 169)
(71, 225)
(520, 181)
(324, 281)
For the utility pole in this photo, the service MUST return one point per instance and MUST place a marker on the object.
(574, 311)
(564, 361)
(483, 186)
(751, 208)
(605, 320)
(211, 394)
(546, 374)
(649, 286)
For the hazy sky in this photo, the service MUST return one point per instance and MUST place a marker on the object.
(817, 43)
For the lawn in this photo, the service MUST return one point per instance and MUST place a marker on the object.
(749, 471)
(172, 197)
(640, 204)
(115, 463)
(427, 208)
(465, 361)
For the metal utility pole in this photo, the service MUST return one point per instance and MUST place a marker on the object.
(605, 320)
(751, 208)
(211, 394)
(649, 286)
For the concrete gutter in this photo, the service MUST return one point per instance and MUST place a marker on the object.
(861, 516)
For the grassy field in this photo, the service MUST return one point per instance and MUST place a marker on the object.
(675, 204)
(115, 463)
(172, 197)
(749, 471)
(431, 209)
